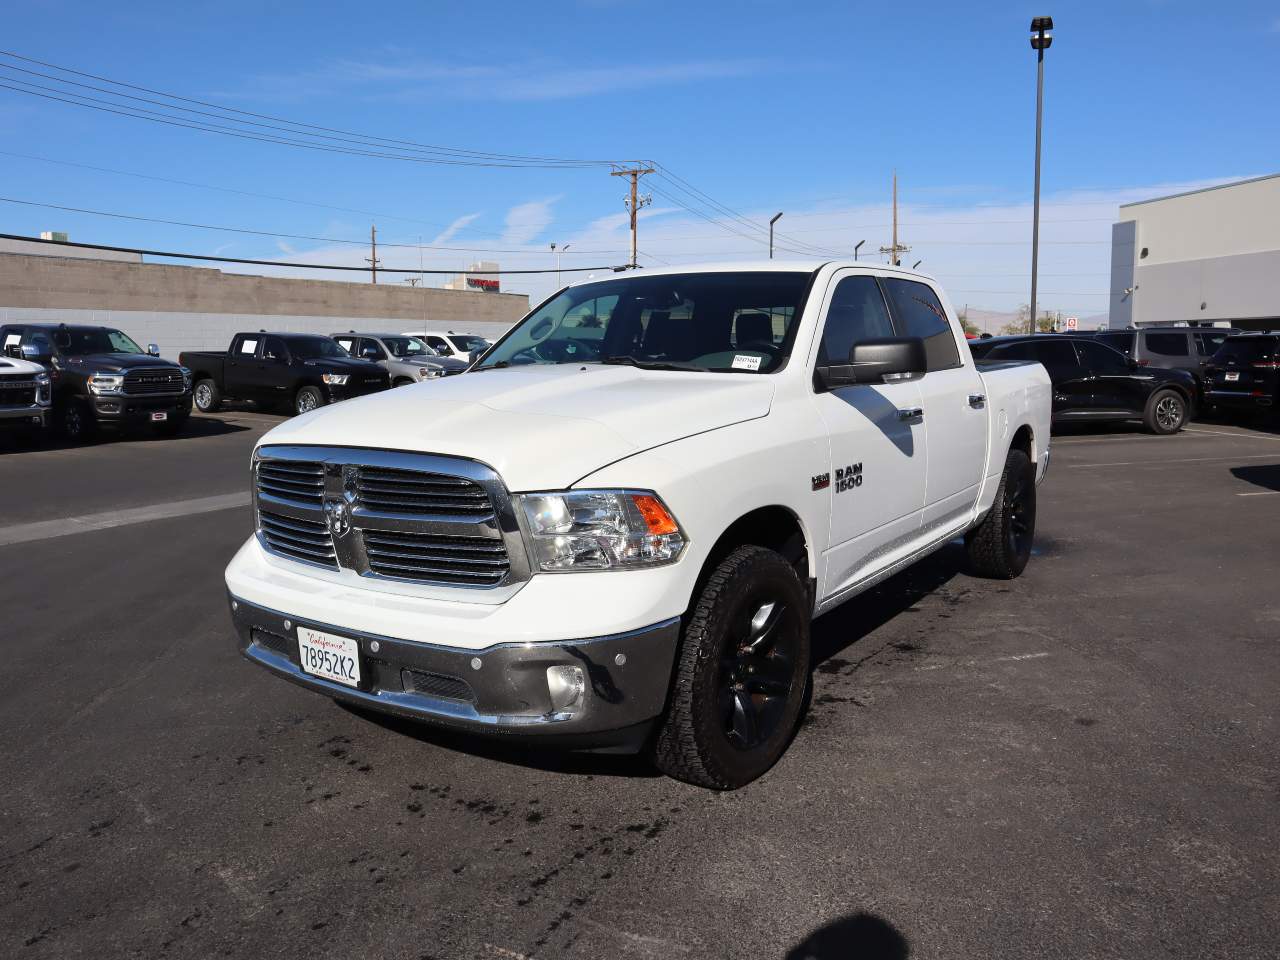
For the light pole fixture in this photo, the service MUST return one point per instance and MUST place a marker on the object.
(557, 252)
(916, 264)
(857, 247)
(1041, 40)
(776, 217)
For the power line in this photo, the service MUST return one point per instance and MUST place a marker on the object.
(283, 263)
(265, 233)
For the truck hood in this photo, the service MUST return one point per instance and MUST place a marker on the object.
(116, 362)
(540, 427)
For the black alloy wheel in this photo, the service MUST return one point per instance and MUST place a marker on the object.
(757, 670)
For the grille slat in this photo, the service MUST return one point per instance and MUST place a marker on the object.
(141, 382)
(300, 539)
(444, 530)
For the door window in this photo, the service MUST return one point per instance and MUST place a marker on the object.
(1120, 341)
(1207, 344)
(440, 345)
(273, 349)
(918, 313)
(369, 350)
(1100, 359)
(857, 313)
(40, 340)
(347, 343)
(1056, 355)
(1167, 344)
(248, 347)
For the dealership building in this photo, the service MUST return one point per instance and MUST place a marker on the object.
(1210, 256)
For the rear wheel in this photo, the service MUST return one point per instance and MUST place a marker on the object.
(307, 399)
(1000, 546)
(207, 396)
(741, 673)
(1166, 412)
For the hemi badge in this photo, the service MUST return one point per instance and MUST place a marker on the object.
(822, 481)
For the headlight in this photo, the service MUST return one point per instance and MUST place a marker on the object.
(186, 378)
(334, 379)
(600, 530)
(426, 373)
(100, 383)
(42, 388)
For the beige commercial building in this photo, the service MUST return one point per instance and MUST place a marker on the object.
(196, 308)
(1208, 256)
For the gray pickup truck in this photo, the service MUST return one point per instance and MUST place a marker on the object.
(406, 359)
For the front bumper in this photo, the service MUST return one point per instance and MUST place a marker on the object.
(497, 690)
(128, 410)
(29, 415)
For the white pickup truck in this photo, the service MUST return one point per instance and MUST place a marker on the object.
(614, 531)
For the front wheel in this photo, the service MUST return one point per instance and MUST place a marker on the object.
(1166, 412)
(741, 674)
(1000, 546)
(308, 399)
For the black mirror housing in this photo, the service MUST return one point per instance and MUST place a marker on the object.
(871, 361)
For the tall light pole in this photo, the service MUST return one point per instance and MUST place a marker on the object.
(776, 217)
(1041, 40)
(557, 252)
(857, 248)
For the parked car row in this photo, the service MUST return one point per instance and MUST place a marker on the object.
(78, 378)
(1160, 376)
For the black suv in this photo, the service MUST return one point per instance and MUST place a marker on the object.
(1245, 374)
(1093, 382)
(1172, 348)
(100, 377)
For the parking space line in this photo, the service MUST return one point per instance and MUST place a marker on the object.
(1229, 433)
(1259, 493)
(48, 529)
(1147, 463)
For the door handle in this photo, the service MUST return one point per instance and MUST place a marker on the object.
(911, 413)
(977, 400)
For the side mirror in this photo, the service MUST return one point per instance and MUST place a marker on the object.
(13, 350)
(875, 361)
(153, 349)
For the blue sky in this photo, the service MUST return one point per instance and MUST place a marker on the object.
(805, 108)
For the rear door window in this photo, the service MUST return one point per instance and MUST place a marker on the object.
(347, 343)
(1167, 344)
(1101, 359)
(918, 313)
(1243, 351)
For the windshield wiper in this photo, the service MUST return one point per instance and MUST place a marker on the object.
(501, 364)
(630, 361)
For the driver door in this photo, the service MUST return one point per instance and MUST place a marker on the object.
(876, 482)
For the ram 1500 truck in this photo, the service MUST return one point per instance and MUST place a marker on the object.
(616, 537)
(298, 371)
(101, 378)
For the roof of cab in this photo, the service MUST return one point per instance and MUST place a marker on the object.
(756, 266)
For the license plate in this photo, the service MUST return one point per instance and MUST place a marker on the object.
(1232, 376)
(159, 415)
(330, 657)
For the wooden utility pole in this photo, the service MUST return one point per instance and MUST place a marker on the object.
(897, 248)
(372, 259)
(634, 203)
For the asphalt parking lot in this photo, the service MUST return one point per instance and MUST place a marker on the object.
(1078, 763)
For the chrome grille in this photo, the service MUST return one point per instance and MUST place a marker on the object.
(439, 521)
(153, 380)
(424, 556)
(298, 480)
(410, 491)
(17, 392)
(301, 539)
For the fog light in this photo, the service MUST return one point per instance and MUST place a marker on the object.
(567, 686)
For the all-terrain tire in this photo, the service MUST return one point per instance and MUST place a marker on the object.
(695, 740)
(1000, 546)
(308, 399)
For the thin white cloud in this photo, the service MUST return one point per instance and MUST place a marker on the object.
(423, 80)
(451, 231)
(527, 220)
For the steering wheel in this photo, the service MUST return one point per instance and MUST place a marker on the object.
(558, 351)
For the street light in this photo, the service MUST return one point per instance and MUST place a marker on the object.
(857, 248)
(916, 264)
(1041, 40)
(777, 216)
(557, 253)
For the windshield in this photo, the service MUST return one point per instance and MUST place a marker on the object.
(407, 347)
(314, 348)
(728, 322)
(82, 341)
(467, 343)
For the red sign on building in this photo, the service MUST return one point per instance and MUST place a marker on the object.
(479, 283)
